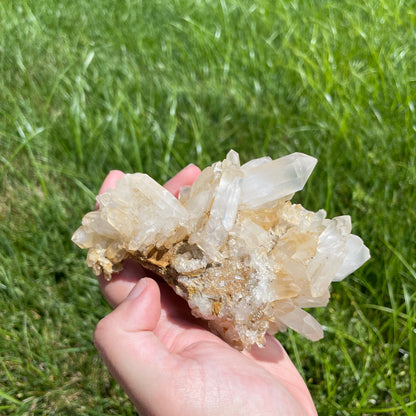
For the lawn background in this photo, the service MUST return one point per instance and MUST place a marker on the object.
(151, 86)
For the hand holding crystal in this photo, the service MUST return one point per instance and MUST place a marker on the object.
(170, 364)
(246, 259)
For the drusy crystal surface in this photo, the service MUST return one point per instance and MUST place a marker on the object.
(245, 258)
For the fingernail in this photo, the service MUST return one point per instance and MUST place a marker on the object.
(137, 290)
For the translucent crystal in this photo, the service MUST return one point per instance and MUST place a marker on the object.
(275, 179)
(244, 257)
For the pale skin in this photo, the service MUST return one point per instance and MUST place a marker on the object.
(169, 364)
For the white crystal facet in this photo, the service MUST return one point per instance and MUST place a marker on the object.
(244, 257)
(276, 179)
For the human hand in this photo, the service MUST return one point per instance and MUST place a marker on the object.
(170, 364)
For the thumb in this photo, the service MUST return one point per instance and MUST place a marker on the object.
(129, 348)
(140, 311)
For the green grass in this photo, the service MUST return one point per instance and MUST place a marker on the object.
(89, 86)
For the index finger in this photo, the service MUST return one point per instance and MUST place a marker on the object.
(109, 183)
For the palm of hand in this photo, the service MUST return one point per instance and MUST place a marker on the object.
(169, 364)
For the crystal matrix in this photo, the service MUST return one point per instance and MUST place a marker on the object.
(245, 258)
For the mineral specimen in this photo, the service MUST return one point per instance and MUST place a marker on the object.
(245, 258)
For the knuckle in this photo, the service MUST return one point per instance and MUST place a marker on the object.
(103, 331)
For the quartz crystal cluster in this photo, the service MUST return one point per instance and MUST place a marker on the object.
(245, 258)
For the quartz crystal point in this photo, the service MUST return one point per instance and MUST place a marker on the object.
(245, 258)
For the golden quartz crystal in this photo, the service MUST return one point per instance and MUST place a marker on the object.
(244, 257)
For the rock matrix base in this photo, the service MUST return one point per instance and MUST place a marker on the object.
(245, 258)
